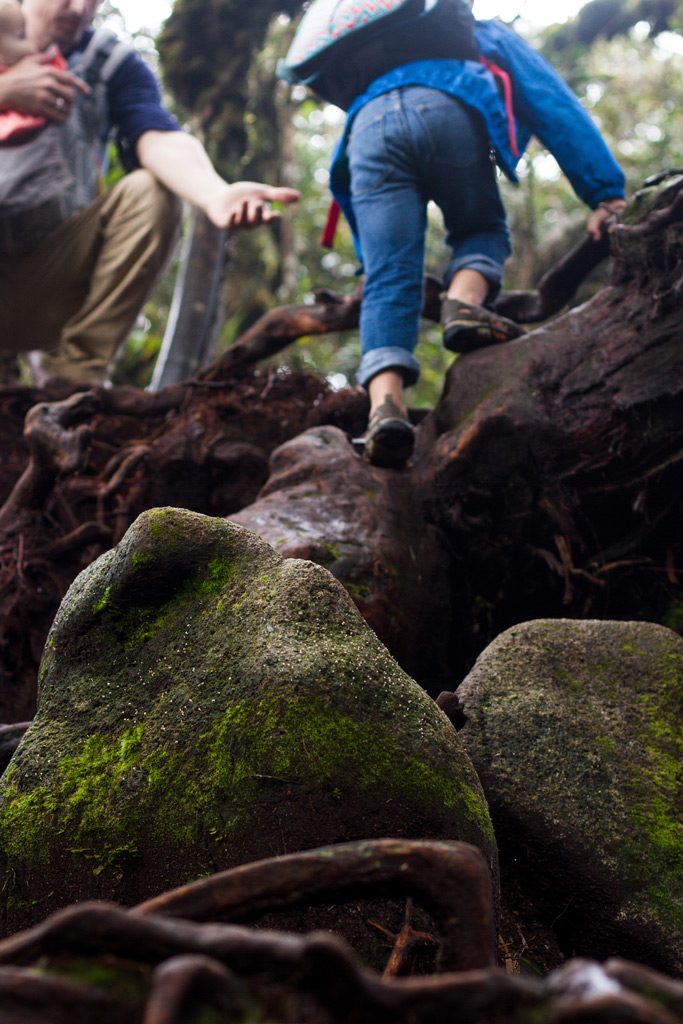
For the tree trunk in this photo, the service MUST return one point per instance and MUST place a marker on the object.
(195, 314)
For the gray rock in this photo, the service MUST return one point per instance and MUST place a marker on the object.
(576, 730)
(204, 703)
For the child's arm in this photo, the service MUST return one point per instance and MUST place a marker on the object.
(551, 111)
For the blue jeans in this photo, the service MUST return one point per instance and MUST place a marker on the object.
(406, 147)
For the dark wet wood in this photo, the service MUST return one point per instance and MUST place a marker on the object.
(183, 967)
(544, 482)
(182, 982)
(450, 880)
(56, 442)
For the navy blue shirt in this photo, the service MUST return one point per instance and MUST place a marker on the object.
(135, 105)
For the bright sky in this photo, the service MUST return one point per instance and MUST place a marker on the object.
(144, 13)
(537, 12)
(150, 13)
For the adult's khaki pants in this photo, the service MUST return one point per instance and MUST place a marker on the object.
(77, 295)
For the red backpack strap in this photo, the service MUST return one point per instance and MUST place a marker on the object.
(330, 229)
(506, 86)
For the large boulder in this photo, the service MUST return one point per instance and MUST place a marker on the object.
(576, 730)
(204, 703)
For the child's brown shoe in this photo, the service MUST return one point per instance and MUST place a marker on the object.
(467, 327)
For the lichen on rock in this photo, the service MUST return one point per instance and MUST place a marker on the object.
(576, 730)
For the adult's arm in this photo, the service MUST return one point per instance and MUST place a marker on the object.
(33, 86)
(180, 162)
(149, 137)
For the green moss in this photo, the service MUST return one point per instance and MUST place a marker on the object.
(138, 623)
(602, 673)
(99, 605)
(141, 559)
(102, 801)
(303, 740)
(208, 1015)
(127, 981)
(21, 906)
(534, 1014)
(632, 649)
(79, 804)
(606, 745)
(218, 573)
(333, 550)
(572, 683)
(164, 525)
(656, 790)
(112, 793)
(24, 817)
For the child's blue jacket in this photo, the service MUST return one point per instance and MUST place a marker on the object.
(544, 106)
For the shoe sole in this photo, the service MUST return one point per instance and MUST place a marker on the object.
(390, 445)
(467, 336)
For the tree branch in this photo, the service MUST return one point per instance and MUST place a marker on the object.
(282, 326)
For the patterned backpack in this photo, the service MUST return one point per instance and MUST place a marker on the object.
(341, 46)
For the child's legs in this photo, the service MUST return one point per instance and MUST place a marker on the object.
(391, 216)
(461, 179)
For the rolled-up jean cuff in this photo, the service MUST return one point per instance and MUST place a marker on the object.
(490, 269)
(389, 357)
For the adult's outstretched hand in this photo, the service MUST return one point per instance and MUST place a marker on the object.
(246, 204)
(180, 162)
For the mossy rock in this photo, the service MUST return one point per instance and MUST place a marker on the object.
(576, 730)
(204, 703)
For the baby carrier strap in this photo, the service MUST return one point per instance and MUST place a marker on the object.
(101, 58)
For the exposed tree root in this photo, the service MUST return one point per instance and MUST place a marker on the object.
(56, 445)
(331, 312)
(181, 968)
(450, 880)
(548, 465)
